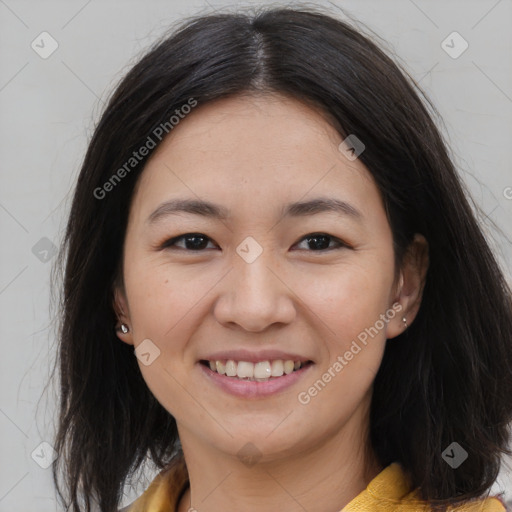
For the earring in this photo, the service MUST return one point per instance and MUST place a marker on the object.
(404, 321)
(124, 328)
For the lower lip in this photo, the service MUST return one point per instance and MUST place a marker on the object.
(254, 388)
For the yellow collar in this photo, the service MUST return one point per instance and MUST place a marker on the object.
(389, 491)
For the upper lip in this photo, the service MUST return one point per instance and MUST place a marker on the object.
(254, 357)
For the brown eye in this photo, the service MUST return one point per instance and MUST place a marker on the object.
(192, 242)
(196, 242)
(320, 242)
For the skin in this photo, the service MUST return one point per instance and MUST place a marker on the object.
(253, 154)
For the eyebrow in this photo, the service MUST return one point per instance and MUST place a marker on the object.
(215, 211)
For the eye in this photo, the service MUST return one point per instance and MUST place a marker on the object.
(192, 241)
(322, 241)
(197, 242)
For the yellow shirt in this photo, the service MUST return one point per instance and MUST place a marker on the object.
(389, 491)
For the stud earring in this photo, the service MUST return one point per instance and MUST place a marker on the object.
(404, 321)
(124, 328)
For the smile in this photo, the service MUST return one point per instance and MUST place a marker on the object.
(260, 371)
(258, 380)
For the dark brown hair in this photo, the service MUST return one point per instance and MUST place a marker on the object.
(447, 378)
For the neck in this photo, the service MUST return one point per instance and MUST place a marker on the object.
(324, 477)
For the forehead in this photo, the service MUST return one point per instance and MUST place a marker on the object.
(253, 148)
(251, 127)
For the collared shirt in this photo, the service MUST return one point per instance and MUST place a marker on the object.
(389, 491)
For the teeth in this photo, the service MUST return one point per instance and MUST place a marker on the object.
(230, 368)
(277, 368)
(245, 369)
(220, 367)
(288, 367)
(261, 371)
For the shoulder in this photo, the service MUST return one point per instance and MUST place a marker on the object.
(164, 490)
(391, 491)
(491, 504)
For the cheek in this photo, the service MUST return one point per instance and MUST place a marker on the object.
(350, 302)
(162, 310)
(161, 298)
(347, 299)
(348, 306)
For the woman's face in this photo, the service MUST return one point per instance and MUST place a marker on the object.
(255, 286)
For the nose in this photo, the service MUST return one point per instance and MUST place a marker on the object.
(255, 296)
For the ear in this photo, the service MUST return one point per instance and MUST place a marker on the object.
(120, 305)
(411, 284)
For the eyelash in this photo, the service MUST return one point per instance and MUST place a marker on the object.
(171, 242)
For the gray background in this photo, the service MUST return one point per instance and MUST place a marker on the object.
(48, 107)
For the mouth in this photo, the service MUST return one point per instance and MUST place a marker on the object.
(252, 380)
(261, 371)
(253, 375)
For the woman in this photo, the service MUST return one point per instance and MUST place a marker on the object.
(275, 286)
